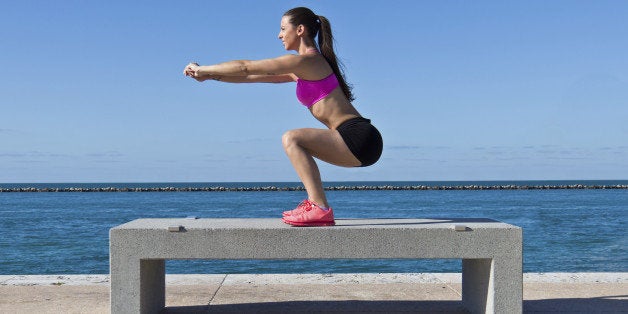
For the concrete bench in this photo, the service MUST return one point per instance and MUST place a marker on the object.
(491, 252)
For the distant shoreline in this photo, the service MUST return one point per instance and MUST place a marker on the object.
(327, 188)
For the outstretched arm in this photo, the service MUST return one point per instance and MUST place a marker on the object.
(280, 78)
(275, 70)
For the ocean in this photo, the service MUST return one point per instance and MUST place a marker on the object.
(565, 229)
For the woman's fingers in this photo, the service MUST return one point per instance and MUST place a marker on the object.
(190, 69)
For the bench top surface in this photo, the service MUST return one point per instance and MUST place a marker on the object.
(275, 223)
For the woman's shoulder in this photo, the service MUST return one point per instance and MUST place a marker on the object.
(307, 66)
(301, 61)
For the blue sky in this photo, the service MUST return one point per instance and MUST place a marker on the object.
(92, 91)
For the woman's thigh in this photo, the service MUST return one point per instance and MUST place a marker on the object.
(324, 144)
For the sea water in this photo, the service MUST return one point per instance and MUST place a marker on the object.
(565, 230)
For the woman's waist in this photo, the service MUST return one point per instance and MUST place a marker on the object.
(337, 120)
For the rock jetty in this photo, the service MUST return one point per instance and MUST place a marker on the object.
(328, 188)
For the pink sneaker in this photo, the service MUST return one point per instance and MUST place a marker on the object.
(313, 215)
(300, 208)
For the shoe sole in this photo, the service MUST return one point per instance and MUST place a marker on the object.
(310, 223)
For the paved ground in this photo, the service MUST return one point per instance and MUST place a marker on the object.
(340, 293)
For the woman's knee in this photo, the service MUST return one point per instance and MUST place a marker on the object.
(290, 138)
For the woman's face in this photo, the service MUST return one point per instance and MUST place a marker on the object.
(288, 34)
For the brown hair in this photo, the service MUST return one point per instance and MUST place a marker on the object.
(320, 24)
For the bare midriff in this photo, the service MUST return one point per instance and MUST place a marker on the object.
(334, 109)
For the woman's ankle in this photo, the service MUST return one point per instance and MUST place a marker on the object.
(323, 205)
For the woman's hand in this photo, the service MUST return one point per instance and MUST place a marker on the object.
(191, 70)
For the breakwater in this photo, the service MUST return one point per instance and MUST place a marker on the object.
(327, 188)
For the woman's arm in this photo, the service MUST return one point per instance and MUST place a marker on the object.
(281, 78)
(286, 64)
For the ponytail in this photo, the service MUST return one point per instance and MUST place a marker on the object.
(320, 24)
(326, 45)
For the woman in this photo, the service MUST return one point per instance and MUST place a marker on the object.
(349, 140)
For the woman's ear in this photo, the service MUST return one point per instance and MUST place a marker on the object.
(300, 30)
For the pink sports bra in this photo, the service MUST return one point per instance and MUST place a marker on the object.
(310, 92)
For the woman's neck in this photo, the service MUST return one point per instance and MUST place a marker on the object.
(308, 50)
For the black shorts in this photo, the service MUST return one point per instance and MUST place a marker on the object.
(363, 140)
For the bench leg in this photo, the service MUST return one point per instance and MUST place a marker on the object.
(152, 286)
(138, 286)
(492, 285)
